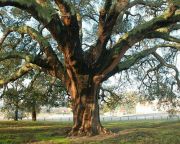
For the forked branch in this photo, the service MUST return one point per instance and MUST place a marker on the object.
(136, 35)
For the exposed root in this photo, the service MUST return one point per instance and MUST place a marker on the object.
(89, 132)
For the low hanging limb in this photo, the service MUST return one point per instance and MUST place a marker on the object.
(19, 73)
(51, 57)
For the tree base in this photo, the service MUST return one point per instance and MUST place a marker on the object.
(89, 132)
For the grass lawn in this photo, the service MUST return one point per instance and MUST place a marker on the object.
(125, 132)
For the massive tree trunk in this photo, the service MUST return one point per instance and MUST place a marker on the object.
(85, 105)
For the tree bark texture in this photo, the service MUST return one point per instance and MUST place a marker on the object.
(85, 107)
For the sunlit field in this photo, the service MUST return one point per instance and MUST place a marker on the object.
(124, 132)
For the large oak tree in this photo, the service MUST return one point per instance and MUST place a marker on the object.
(84, 66)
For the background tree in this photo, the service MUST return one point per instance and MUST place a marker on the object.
(83, 57)
(22, 96)
(13, 100)
(112, 99)
(43, 91)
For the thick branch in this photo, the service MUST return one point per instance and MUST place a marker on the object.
(43, 11)
(37, 60)
(107, 5)
(72, 36)
(130, 61)
(173, 45)
(126, 64)
(56, 67)
(164, 36)
(141, 31)
(63, 7)
(169, 29)
(137, 34)
(68, 15)
(103, 15)
(19, 73)
(17, 55)
(164, 33)
(107, 21)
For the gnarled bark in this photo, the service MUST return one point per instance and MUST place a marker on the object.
(86, 108)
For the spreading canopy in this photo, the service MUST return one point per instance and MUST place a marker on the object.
(83, 43)
(102, 59)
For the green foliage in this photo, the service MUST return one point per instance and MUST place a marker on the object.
(13, 102)
(44, 91)
(173, 112)
(26, 97)
(126, 101)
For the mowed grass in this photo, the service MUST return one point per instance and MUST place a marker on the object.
(124, 132)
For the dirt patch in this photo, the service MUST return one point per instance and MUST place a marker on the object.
(79, 140)
(60, 132)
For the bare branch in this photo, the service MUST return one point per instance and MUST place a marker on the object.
(163, 62)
